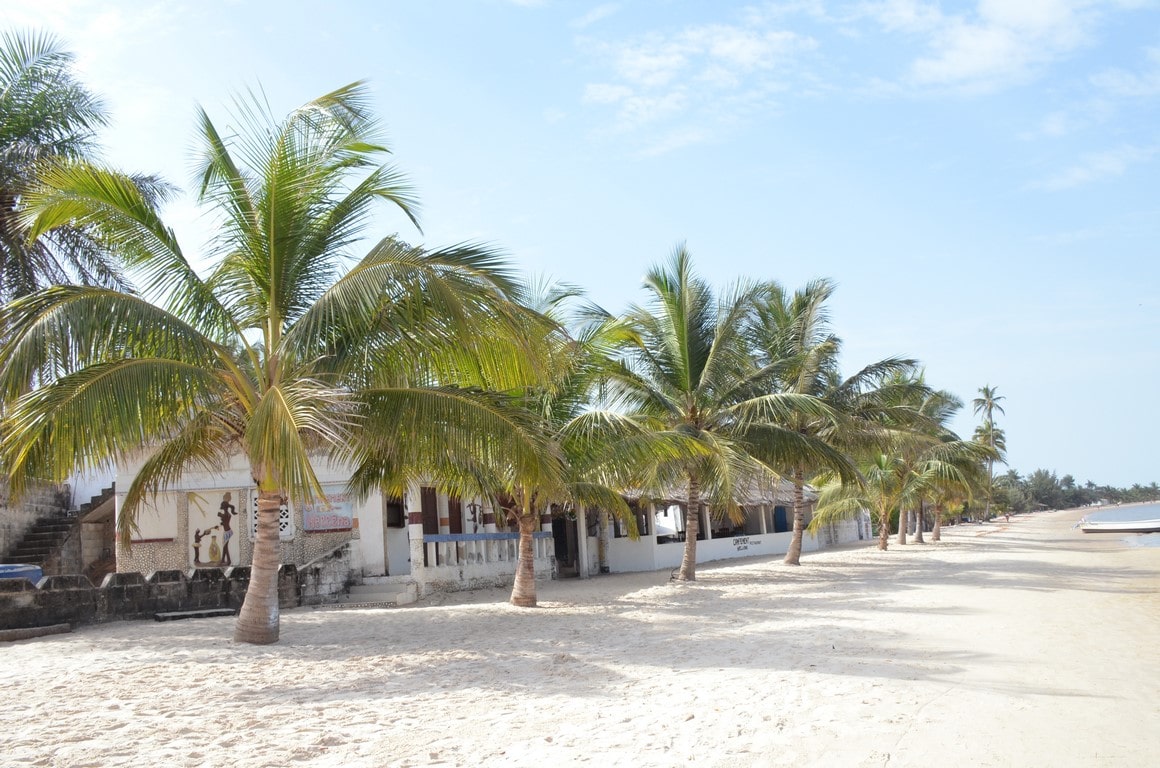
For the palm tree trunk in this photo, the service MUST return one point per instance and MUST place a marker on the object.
(258, 620)
(936, 532)
(883, 529)
(524, 586)
(793, 555)
(903, 524)
(918, 523)
(990, 480)
(692, 528)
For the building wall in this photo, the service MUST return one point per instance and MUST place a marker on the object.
(163, 541)
(646, 554)
(758, 545)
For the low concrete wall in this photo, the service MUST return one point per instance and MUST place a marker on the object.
(74, 600)
(466, 561)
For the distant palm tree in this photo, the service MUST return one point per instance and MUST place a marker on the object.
(289, 351)
(894, 482)
(800, 355)
(883, 491)
(692, 366)
(46, 116)
(986, 404)
(923, 460)
(936, 440)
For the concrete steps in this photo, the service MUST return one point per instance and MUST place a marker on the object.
(41, 541)
(204, 613)
(380, 592)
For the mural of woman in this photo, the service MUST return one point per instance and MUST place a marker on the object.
(226, 511)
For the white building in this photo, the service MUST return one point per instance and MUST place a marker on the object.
(437, 542)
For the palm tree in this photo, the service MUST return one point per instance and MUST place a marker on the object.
(692, 366)
(986, 404)
(46, 116)
(923, 460)
(800, 354)
(281, 354)
(584, 456)
(935, 440)
(882, 491)
(892, 482)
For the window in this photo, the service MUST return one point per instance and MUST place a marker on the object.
(396, 516)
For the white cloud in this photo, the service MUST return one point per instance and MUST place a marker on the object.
(999, 43)
(1097, 166)
(554, 115)
(1054, 126)
(1141, 84)
(641, 110)
(606, 93)
(674, 141)
(599, 13)
(904, 15)
(653, 63)
(709, 70)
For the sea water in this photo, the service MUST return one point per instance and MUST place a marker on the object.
(1148, 511)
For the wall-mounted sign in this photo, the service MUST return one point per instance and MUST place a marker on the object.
(335, 512)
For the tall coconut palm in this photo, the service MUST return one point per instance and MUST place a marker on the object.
(692, 366)
(290, 349)
(986, 404)
(585, 456)
(800, 353)
(46, 116)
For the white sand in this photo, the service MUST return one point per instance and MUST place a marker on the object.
(1027, 644)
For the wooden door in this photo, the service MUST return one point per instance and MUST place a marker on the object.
(430, 510)
(455, 514)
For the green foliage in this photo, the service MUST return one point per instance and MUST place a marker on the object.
(47, 117)
(288, 348)
(1042, 489)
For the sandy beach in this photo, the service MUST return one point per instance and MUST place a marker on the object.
(1020, 644)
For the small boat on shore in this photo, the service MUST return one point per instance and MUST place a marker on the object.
(1120, 526)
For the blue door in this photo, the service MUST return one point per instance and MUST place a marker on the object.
(780, 524)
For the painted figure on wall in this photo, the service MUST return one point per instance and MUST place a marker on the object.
(198, 535)
(226, 511)
(212, 525)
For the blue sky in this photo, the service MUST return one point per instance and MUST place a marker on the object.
(980, 178)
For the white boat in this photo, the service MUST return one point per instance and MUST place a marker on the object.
(1120, 526)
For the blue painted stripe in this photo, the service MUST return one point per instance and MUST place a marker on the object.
(436, 538)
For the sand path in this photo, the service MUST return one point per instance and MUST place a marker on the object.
(1027, 644)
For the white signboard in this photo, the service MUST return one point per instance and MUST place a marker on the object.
(335, 512)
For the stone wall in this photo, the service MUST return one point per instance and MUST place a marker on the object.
(174, 552)
(131, 596)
